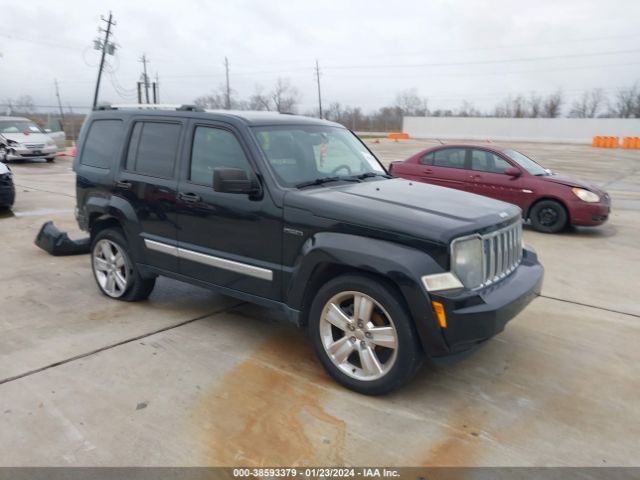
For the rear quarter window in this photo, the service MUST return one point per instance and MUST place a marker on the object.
(103, 143)
(153, 148)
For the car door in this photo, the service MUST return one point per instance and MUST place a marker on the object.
(487, 177)
(445, 167)
(148, 180)
(231, 240)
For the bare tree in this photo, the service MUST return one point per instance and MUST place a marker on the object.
(218, 100)
(259, 100)
(284, 96)
(467, 110)
(535, 105)
(411, 103)
(588, 105)
(552, 105)
(512, 107)
(23, 104)
(626, 103)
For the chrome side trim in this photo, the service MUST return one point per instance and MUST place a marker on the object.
(217, 262)
(161, 247)
(245, 269)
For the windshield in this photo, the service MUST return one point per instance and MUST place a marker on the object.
(18, 126)
(299, 154)
(525, 162)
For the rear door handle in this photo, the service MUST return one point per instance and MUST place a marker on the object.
(189, 197)
(124, 185)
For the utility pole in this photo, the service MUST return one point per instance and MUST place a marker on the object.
(145, 78)
(319, 94)
(71, 124)
(103, 45)
(157, 88)
(227, 102)
(59, 102)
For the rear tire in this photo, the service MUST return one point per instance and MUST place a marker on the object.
(548, 216)
(114, 271)
(50, 160)
(372, 351)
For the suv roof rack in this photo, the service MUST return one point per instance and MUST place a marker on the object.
(150, 106)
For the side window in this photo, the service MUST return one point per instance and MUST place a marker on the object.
(213, 148)
(483, 161)
(449, 157)
(153, 148)
(102, 144)
(427, 159)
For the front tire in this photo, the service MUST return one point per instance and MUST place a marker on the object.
(114, 271)
(363, 335)
(548, 216)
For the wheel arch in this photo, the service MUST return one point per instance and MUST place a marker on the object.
(562, 203)
(329, 255)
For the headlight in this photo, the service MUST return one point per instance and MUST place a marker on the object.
(50, 142)
(466, 260)
(12, 143)
(585, 195)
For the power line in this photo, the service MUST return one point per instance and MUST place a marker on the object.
(481, 62)
(227, 101)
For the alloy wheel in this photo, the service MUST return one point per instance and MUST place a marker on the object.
(111, 268)
(358, 335)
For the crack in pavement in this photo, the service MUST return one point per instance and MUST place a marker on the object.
(590, 306)
(114, 345)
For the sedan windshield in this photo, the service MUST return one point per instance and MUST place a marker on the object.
(525, 162)
(18, 126)
(302, 155)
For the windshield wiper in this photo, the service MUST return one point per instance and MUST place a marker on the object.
(317, 181)
(362, 176)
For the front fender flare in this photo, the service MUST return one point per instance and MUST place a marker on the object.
(402, 265)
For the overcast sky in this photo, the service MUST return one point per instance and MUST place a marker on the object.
(368, 50)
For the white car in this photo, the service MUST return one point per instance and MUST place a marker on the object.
(21, 139)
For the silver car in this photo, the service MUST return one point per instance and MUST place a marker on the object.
(21, 139)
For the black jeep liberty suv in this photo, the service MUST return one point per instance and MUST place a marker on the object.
(297, 213)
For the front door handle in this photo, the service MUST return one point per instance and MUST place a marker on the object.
(124, 185)
(427, 170)
(189, 197)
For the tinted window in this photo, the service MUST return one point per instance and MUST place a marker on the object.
(487, 162)
(103, 143)
(449, 157)
(153, 148)
(213, 148)
(427, 159)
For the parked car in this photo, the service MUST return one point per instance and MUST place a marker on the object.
(21, 139)
(55, 130)
(549, 201)
(296, 213)
(7, 188)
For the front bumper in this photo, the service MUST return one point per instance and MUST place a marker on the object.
(475, 316)
(23, 153)
(589, 214)
(7, 195)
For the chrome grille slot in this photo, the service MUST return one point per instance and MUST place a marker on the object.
(502, 253)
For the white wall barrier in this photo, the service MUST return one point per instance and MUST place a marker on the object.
(559, 130)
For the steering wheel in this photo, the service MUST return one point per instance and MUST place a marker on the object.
(340, 167)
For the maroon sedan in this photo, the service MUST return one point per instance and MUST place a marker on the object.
(549, 201)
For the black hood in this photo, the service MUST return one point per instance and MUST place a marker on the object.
(418, 210)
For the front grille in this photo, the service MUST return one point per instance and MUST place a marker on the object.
(34, 145)
(502, 253)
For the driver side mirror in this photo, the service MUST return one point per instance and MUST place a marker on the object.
(512, 172)
(47, 130)
(235, 180)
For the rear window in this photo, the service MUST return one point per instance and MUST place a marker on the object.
(103, 143)
(153, 148)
